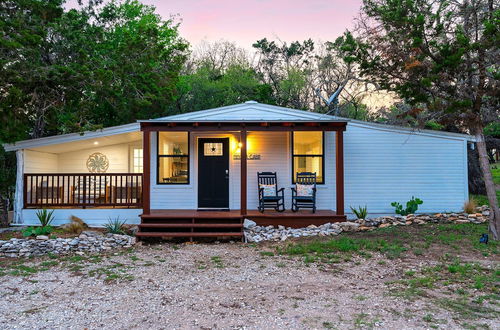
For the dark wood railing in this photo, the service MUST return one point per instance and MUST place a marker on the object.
(43, 190)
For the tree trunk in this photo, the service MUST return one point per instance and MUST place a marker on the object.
(476, 182)
(490, 186)
(4, 212)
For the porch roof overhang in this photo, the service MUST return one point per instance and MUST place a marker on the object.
(268, 125)
(72, 137)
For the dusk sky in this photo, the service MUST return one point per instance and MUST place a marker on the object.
(244, 22)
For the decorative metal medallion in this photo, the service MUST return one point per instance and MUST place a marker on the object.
(97, 163)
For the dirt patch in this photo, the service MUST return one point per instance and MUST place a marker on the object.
(247, 286)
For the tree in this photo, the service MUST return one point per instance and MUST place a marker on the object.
(441, 55)
(94, 66)
(298, 71)
(216, 75)
(286, 69)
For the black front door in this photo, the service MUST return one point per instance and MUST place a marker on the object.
(213, 173)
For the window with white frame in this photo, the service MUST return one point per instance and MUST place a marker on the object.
(137, 160)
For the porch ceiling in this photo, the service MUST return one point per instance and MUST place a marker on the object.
(90, 143)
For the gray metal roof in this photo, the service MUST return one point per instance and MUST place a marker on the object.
(250, 111)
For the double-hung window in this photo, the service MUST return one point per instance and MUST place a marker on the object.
(308, 154)
(173, 158)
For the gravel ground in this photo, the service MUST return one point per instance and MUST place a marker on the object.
(204, 286)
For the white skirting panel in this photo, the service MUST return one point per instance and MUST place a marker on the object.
(92, 217)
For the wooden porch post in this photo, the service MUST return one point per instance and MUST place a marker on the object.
(243, 169)
(146, 176)
(339, 170)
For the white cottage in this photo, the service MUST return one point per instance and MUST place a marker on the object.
(195, 174)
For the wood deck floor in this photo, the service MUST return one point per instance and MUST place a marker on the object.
(302, 218)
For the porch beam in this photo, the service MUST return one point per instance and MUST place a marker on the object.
(339, 171)
(146, 176)
(243, 172)
(258, 126)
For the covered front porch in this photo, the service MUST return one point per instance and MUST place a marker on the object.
(82, 175)
(162, 195)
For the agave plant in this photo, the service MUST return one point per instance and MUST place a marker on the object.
(360, 212)
(115, 226)
(45, 217)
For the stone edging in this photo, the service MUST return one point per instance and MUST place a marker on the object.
(254, 233)
(88, 241)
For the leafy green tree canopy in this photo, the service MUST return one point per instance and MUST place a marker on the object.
(98, 65)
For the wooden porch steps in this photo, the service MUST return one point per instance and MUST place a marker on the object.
(191, 224)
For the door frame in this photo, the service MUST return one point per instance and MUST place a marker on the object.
(196, 164)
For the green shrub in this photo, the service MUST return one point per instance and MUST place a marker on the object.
(115, 226)
(45, 217)
(35, 231)
(360, 212)
(411, 206)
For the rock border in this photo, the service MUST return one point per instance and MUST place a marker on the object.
(256, 234)
(86, 242)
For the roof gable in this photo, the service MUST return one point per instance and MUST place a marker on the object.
(248, 111)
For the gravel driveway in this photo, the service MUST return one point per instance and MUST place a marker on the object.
(204, 286)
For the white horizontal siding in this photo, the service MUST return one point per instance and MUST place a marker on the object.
(40, 162)
(76, 161)
(274, 150)
(186, 196)
(383, 166)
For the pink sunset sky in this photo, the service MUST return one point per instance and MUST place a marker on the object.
(244, 22)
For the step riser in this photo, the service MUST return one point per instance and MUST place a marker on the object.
(186, 221)
(188, 234)
(190, 225)
(193, 230)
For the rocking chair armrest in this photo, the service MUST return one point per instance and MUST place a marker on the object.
(261, 192)
(281, 191)
(294, 191)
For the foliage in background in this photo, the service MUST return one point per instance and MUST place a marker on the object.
(94, 66)
(493, 129)
(360, 212)
(411, 206)
(115, 226)
(7, 183)
(209, 87)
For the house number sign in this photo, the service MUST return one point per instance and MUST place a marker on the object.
(249, 157)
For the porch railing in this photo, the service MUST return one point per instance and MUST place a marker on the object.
(42, 190)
